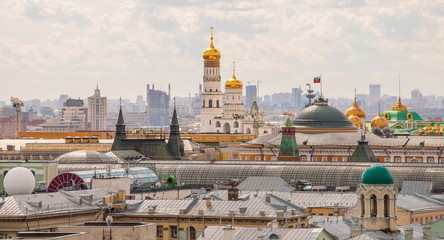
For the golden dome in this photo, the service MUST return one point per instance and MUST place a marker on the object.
(355, 120)
(428, 127)
(436, 128)
(355, 110)
(399, 106)
(211, 53)
(379, 122)
(233, 82)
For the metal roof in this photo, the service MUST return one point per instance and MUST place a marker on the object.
(350, 139)
(265, 184)
(49, 203)
(244, 233)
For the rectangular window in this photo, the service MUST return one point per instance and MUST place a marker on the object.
(173, 231)
(398, 159)
(159, 232)
(324, 159)
(257, 158)
(335, 159)
(247, 157)
(387, 159)
(431, 160)
(314, 159)
(344, 159)
(235, 156)
(273, 158)
(304, 158)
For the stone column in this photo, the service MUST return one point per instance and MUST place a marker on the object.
(380, 205)
(367, 207)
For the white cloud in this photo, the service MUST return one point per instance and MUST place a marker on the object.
(124, 45)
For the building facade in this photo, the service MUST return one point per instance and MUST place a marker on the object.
(97, 110)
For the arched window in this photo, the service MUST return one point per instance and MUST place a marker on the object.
(227, 128)
(248, 131)
(192, 233)
(217, 124)
(210, 122)
(236, 124)
(4, 173)
(373, 206)
(386, 206)
(217, 103)
(211, 90)
(203, 103)
(362, 205)
(210, 103)
(232, 98)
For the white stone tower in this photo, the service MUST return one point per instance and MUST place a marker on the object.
(97, 110)
(234, 104)
(212, 94)
(377, 200)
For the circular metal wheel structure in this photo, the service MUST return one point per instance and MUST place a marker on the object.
(69, 181)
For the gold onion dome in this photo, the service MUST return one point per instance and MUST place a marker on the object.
(355, 120)
(379, 122)
(399, 106)
(233, 82)
(436, 127)
(211, 53)
(355, 110)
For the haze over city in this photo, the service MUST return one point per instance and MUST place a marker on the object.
(49, 47)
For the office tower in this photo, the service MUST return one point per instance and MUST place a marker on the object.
(296, 97)
(251, 95)
(375, 94)
(158, 103)
(97, 110)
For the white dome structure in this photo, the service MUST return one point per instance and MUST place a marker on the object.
(19, 181)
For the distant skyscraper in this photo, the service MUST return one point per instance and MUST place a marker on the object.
(375, 93)
(416, 97)
(251, 95)
(158, 104)
(296, 97)
(97, 110)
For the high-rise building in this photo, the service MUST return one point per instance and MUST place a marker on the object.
(416, 97)
(97, 110)
(212, 91)
(296, 97)
(375, 93)
(158, 104)
(251, 95)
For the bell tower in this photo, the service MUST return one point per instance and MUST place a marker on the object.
(377, 200)
(212, 93)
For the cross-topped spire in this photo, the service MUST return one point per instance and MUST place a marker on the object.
(211, 33)
(234, 68)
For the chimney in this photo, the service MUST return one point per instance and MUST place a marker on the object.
(121, 196)
(182, 211)
(200, 211)
(233, 194)
(408, 233)
(260, 234)
(229, 232)
(207, 202)
(293, 212)
(267, 198)
(151, 210)
(426, 232)
(262, 213)
(279, 213)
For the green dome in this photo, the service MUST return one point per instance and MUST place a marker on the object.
(321, 115)
(376, 175)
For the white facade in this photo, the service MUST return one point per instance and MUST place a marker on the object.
(97, 111)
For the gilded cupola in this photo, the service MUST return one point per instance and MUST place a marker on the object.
(399, 106)
(356, 121)
(355, 110)
(211, 53)
(233, 82)
(379, 121)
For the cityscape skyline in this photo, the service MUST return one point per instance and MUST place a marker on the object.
(123, 46)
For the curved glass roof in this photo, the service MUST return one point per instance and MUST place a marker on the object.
(85, 156)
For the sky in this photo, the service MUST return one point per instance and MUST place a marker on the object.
(53, 47)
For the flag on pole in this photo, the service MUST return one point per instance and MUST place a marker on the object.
(317, 80)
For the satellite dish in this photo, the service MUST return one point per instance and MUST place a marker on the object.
(158, 184)
(109, 206)
(109, 220)
(19, 181)
(171, 181)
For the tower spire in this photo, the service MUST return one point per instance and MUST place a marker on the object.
(234, 69)
(211, 36)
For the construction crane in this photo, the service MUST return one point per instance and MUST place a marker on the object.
(17, 104)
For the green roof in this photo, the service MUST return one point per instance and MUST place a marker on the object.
(377, 175)
(402, 116)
